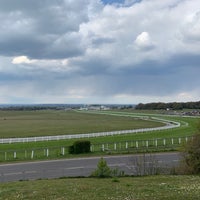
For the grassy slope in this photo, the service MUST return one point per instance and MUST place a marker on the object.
(130, 188)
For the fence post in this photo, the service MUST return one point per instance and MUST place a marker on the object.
(156, 143)
(47, 152)
(186, 139)
(91, 148)
(147, 143)
(164, 142)
(136, 144)
(102, 147)
(126, 145)
(179, 140)
(15, 155)
(32, 154)
(63, 151)
(115, 146)
(172, 141)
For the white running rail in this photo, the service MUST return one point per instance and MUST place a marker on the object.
(169, 125)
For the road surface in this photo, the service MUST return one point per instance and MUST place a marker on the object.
(130, 164)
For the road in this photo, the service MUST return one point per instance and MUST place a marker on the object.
(130, 164)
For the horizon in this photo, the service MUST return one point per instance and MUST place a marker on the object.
(133, 104)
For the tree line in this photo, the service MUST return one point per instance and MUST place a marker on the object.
(172, 106)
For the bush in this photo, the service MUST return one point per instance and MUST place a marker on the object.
(103, 171)
(80, 147)
(71, 149)
(191, 156)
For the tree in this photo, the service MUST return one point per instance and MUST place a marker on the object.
(102, 170)
(191, 155)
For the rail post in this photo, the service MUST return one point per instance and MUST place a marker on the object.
(164, 142)
(136, 144)
(147, 143)
(47, 152)
(91, 148)
(103, 148)
(32, 154)
(115, 146)
(172, 141)
(63, 151)
(15, 155)
(126, 145)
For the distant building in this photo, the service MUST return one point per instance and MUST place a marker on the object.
(95, 107)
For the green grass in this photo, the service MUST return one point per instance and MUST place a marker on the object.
(82, 120)
(129, 188)
(48, 122)
(41, 123)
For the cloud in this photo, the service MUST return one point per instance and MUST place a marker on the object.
(191, 28)
(90, 50)
(38, 29)
(143, 41)
(21, 59)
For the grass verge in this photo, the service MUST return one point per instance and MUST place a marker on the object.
(127, 188)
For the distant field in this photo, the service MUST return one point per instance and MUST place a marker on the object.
(129, 188)
(48, 122)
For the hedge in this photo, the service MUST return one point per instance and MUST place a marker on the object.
(80, 147)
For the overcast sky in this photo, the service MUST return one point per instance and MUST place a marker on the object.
(92, 51)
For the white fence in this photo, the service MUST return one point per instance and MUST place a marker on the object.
(169, 125)
(133, 146)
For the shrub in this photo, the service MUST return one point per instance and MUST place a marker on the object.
(71, 149)
(102, 170)
(191, 156)
(80, 147)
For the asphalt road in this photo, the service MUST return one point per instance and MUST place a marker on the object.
(130, 164)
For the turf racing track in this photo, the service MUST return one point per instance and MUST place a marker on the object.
(169, 124)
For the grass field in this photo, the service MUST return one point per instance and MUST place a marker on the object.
(126, 188)
(48, 122)
(81, 121)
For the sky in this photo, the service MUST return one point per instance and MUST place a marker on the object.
(99, 52)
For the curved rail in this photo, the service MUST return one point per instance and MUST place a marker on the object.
(169, 125)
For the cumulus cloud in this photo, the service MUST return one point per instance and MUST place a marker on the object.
(21, 60)
(143, 41)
